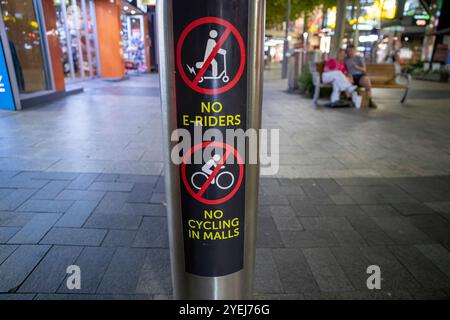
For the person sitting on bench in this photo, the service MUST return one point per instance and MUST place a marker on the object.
(357, 68)
(334, 73)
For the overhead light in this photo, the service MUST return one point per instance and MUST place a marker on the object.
(125, 8)
(133, 11)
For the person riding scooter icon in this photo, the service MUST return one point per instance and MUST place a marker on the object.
(211, 43)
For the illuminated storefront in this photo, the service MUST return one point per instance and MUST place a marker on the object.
(76, 25)
(54, 45)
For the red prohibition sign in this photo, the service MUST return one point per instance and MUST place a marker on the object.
(229, 28)
(228, 151)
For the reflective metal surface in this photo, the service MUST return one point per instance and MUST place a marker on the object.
(238, 285)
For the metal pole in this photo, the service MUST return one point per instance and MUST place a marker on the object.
(187, 283)
(286, 41)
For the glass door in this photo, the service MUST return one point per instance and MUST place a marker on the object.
(78, 38)
(25, 40)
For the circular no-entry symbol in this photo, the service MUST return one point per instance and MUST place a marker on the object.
(213, 43)
(199, 182)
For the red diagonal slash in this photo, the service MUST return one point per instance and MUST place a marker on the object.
(214, 173)
(212, 55)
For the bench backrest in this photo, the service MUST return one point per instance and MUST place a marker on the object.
(381, 73)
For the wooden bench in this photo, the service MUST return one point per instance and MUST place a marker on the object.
(382, 76)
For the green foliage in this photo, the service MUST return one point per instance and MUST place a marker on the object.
(276, 9)
(305, 84)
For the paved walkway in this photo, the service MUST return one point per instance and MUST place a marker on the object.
(80, 183)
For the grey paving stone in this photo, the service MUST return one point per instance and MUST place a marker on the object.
(430, 220)
(287, 223)
(87, 296)
(376, 295)
(115, 280)
(354, 264)
(160, 185)
(6, 175)
(119, 238)
(274, 199)
(25, 183)
(341, 199)
(153, 233)
(133, 178)
(380, 211)
(6, 233)
(305, 209)
(440, 235)
(141, 193)
(394, 274)
(5, 251)
(51, 190)
(158, 197)
(322, 296)
(77, 215)
(264, 211)
(359, 181)
(428, 294)
(369, 230)
(308, 239)
(83, 181)
(401, 231)
(155, 276)
(56, 206)
(107, 221)
(14, 219)
(35, 229)
(278, 296)
(326, 270)
(413, 208)
(282, 211)
(111, 186)
(144, 209)
(422, 269)
(51, 271)
(112, 202)
(266, 275)
(74, 236)
(326, 223)
(5, 192)
(440, 206)
(17, 296)
(438, 255)
(349, 237)
(81, 195)
(15, 199)
(19, 264)
(93, 263)
(330, 186)
(294, 271)
(339, 210)
(43, 175)
(107, 177)
(267, 234)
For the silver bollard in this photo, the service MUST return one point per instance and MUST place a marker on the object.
(211, 55)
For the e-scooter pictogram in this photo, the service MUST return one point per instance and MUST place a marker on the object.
(214, 64)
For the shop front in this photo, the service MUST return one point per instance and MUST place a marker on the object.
(51, 47)
(76, 25)
(135, 39)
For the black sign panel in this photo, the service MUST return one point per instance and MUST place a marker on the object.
(211, 93)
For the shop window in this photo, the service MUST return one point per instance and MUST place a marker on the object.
(25, 41)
